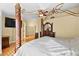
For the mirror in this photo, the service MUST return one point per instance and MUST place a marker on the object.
(47, 26)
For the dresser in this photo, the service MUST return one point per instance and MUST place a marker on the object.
(5, 42)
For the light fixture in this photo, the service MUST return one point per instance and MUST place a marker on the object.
(41, 15)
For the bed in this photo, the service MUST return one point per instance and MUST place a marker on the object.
(49, 46)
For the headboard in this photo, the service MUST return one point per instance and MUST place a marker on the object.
(47, 30)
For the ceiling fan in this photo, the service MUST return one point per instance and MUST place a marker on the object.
(55, 10)
(52, 11)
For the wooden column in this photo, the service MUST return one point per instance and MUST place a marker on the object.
(52, 27)
(18, 25)
(41, 26)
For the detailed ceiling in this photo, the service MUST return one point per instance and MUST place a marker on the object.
(9, 8)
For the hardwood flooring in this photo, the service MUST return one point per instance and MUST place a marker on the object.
(9, 51)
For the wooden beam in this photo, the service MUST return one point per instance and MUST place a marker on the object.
(41, 26)
(18, 25)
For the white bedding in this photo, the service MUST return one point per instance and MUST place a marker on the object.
(46, 46)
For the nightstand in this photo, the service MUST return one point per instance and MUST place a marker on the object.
(36, 35)
(5, 42)
(52, 34)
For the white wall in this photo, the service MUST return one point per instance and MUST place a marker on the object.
(66, 26)
(11, 32)
(31, 27)
(0, 32)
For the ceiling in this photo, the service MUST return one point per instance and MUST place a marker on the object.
(9, 8)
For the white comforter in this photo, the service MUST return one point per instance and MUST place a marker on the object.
(45, 46)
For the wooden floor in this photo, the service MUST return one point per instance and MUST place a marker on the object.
(9, 51)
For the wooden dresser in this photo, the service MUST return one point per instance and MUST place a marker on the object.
(45, 33)
(5, 42)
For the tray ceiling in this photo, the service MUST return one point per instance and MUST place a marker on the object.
(9, 8)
